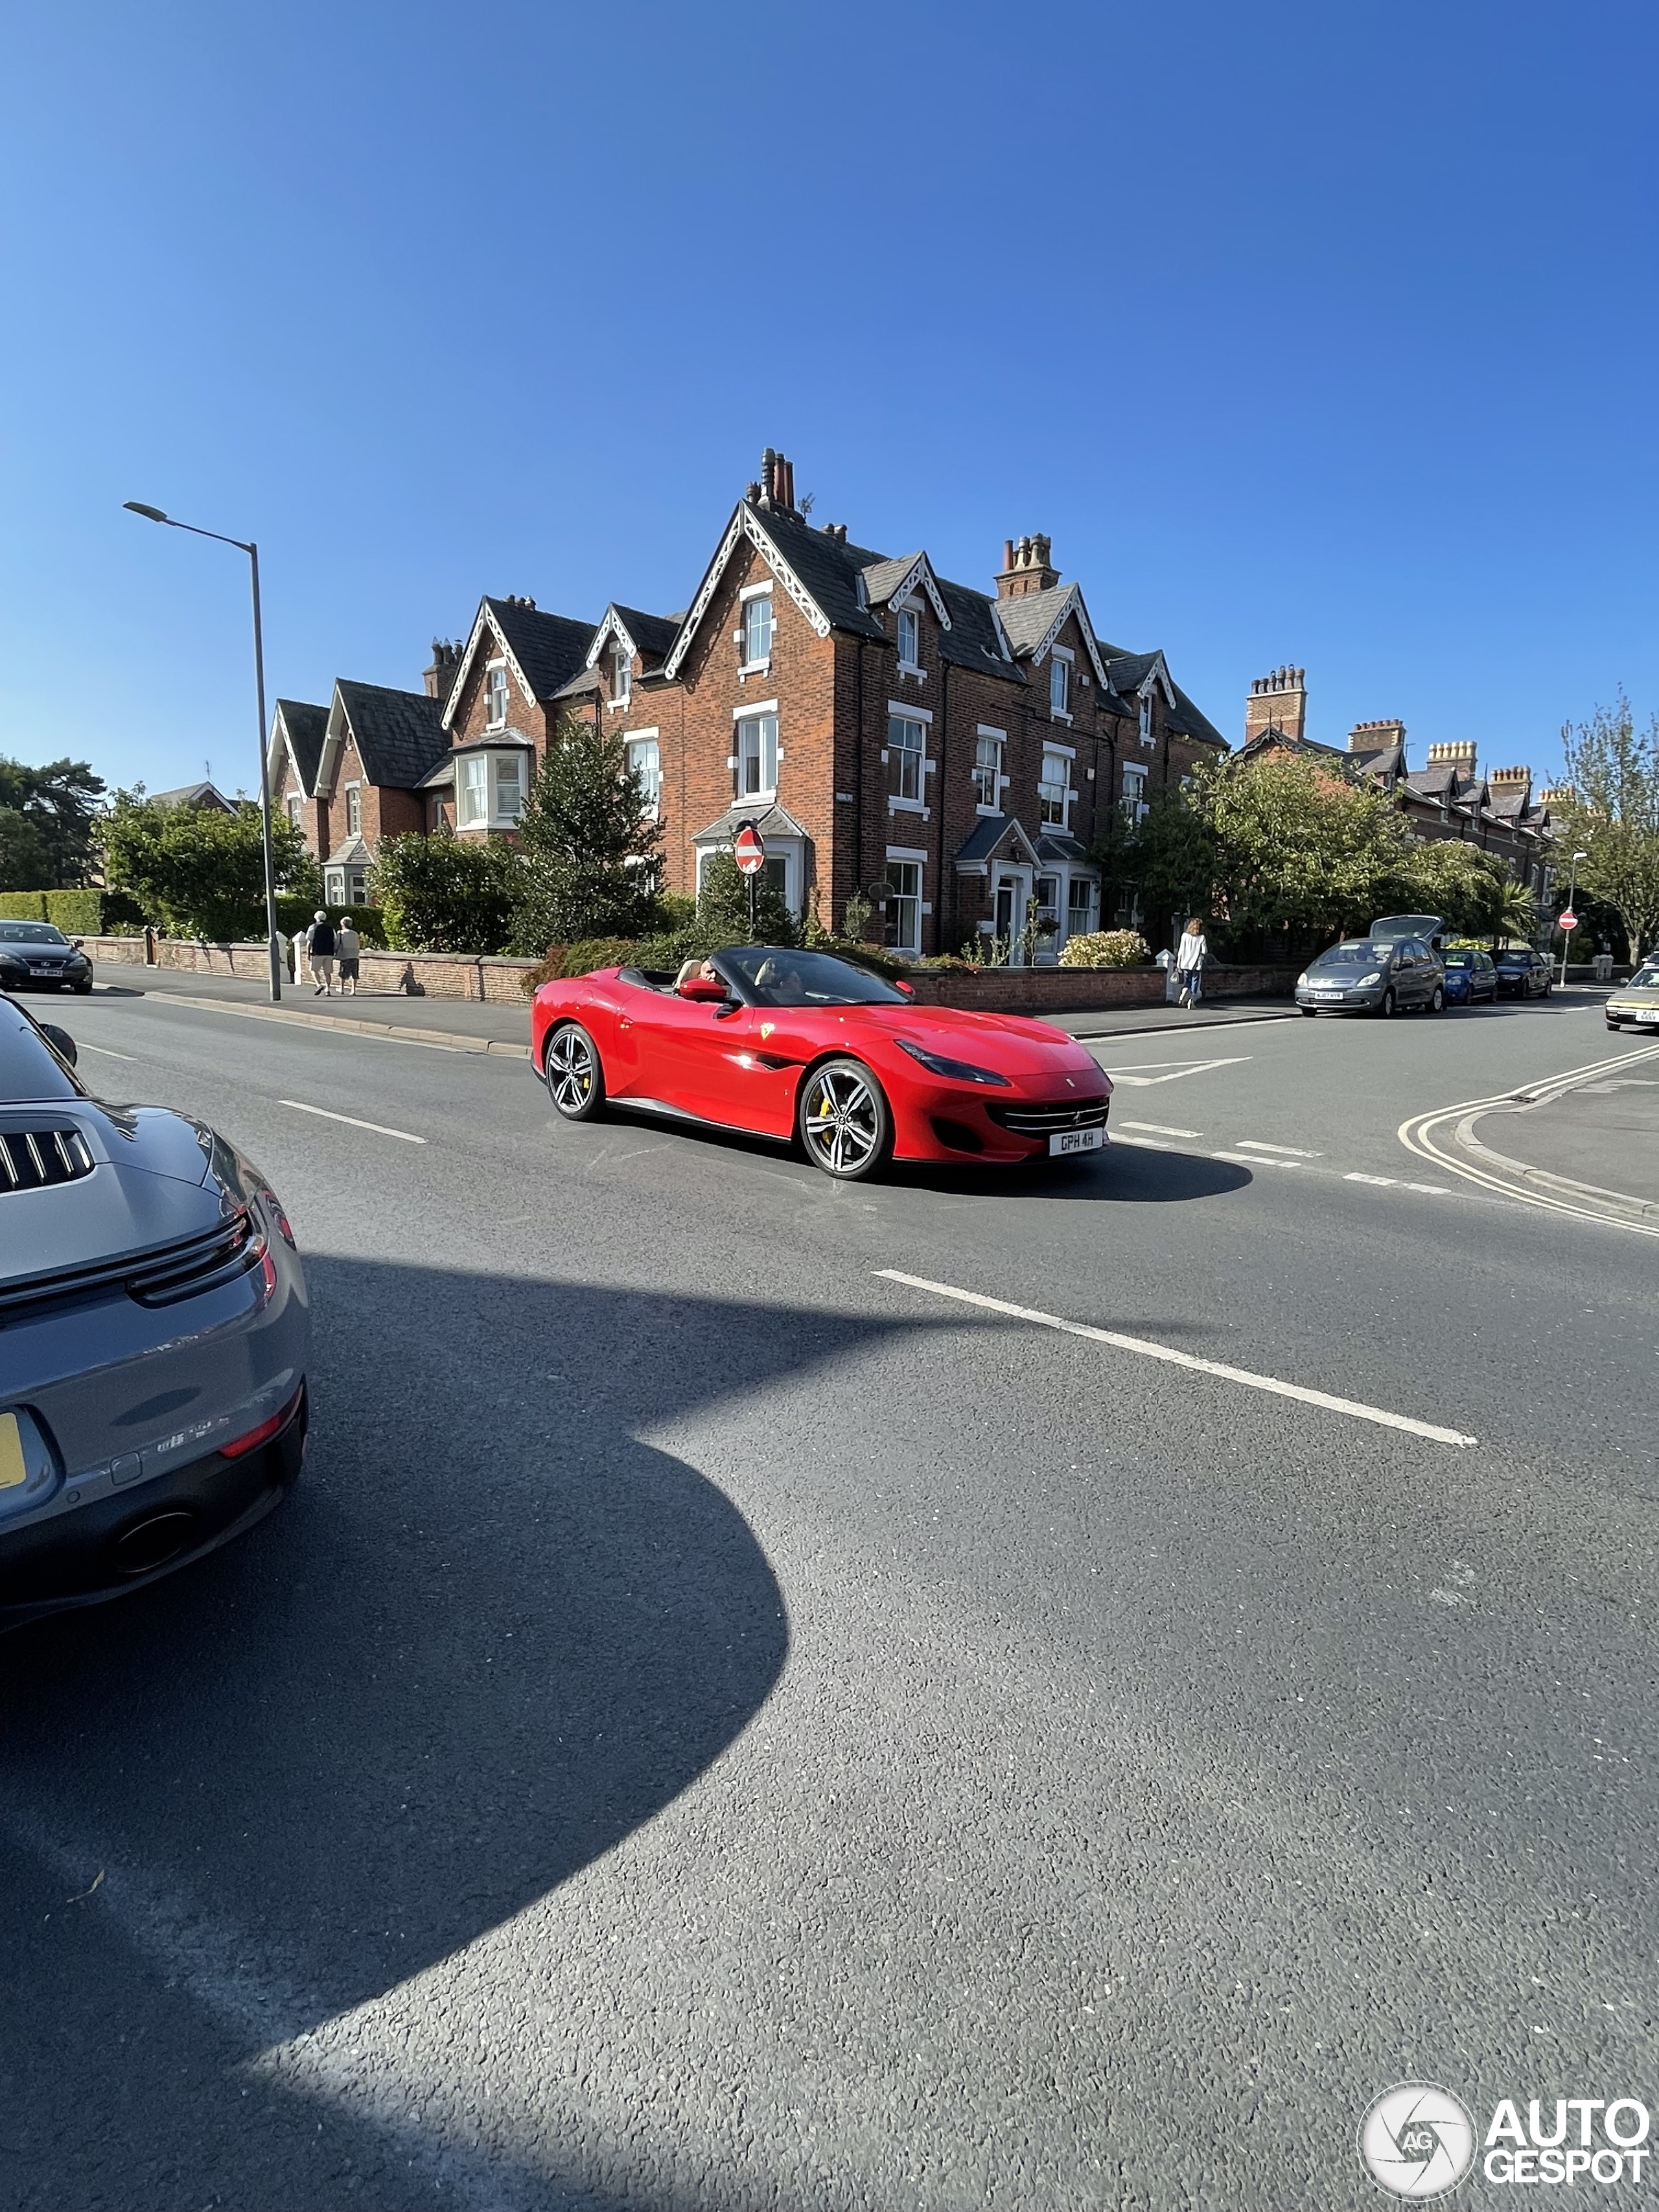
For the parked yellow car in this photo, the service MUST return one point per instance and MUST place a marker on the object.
(1637, 1003)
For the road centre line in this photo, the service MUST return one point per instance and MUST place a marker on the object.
(1269, 1159)
(105, 1049)
(1160, 1129)
(1144, 1348)
(1257, 1145)
(378, 1127)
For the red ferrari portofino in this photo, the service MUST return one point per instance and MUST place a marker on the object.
(801, 1046)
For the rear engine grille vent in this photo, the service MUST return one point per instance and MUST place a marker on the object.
(1045, 1120)
(33, 1159)
(200, 1266)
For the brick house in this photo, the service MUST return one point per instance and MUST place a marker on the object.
(1445, 799)
(519, 671)
(352, 773)
(950, 754)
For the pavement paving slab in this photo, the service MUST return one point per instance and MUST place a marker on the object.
(428, 1020)
(1604, 1134)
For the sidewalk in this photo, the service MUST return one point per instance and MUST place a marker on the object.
(1159, 1021)
(1597, 1140)
(463, 1024)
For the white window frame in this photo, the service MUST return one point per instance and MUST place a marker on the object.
(1090, 908)
(499, 814)
(909, 619)
(296, 810)
(752, 597)
(764, 711)
(914, 802)
(636, 740)
(998, 778)
(1147, 735)
(622, 675)
(1062, 821)
(1060, 683)
(472, 781)
(787, 849)
(906, 856)
(1134, 792)
(354, 799)
(494, 691)
(334, 887)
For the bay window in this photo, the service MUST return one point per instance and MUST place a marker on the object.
(472, 791)
(509, 787)
(1079, 906)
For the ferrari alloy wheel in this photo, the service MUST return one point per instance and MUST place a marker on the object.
(575, 1082)
(843, 1121)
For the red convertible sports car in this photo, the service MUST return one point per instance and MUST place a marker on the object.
(799, 1045)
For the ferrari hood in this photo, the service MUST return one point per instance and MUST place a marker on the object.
(1012, 1044)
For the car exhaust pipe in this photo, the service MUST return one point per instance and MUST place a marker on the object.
(153, 1541)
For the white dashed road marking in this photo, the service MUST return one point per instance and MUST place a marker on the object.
(1158, 1129)
(1143, 1348)
(380, 1129)
(1177, 1068)
(107, 1054)
(1291, 1152)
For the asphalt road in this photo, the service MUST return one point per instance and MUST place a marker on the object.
(721, 1727)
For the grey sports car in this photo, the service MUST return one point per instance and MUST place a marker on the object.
(153, 1336)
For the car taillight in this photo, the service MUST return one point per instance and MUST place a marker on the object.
(274, 1208)
(262, 1435)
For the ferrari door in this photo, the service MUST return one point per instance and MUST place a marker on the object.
(659, 1040)
(743, 1077)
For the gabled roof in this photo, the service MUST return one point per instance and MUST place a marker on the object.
(399, 735)
(1057, 845)
(991, 835)
(821, 573)
(543, 650)
(974, 638)
(1034, 620)
(1131, 673)
(207, 797)
(770, 821)
(650, 637)
(301, 727)
(887, 581)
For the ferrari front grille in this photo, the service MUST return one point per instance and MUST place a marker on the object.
(36, 1159)
(1047, 1120)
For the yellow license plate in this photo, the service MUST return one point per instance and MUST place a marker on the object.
(14, 1471)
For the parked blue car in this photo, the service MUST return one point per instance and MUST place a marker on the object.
(1470, 976)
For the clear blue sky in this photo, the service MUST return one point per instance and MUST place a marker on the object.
(1315, 333)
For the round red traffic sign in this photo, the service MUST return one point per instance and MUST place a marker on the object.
(748, 849)
(1568, 920)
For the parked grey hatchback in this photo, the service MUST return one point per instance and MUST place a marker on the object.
(154, 1333)
(1364, 976)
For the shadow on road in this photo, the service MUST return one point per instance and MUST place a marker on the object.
(490, 1635)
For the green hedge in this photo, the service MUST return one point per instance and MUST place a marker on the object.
(294, 914)
(77, 914)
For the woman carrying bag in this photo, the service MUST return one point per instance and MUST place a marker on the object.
(1190, 956)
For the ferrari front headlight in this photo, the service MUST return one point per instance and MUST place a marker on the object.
(955, 1070)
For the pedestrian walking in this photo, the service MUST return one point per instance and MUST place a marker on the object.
(319, 945)
(347, 947)
(1190, 955)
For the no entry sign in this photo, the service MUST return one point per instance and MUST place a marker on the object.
(748, 849)
(1568, 920)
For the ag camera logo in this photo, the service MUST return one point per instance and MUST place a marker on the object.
(1417, 2140)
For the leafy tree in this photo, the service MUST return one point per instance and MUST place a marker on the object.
(1612, 816)
(25, 861)
(587, 845)
(196, 872)
(723, 908)
(445, 893)
(58, 804)
(1472, 891)
(1301, 852)
(1166, 863)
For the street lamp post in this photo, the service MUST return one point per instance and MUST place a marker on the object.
(1572, 892)
(154, 514)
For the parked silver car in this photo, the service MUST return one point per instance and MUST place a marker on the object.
(153, 1336)
(1363, 976)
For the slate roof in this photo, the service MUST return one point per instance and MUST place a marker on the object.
(549, 649)
(1026, 620)
(584, 680)
(207, 796)
(883, 578)
(354, 854)
(828, 569)
(399, 734)
(1193, 721)
(653, 634)
(306, 726)
(971, 639)
(987, 835)
(1054, 845)
(771, 821)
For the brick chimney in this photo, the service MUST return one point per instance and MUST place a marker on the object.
(1376, 737)
(776, 489)
(445, 659)
(1504, 781)
(1460, 756)
(1025, 568)
(1278, 702)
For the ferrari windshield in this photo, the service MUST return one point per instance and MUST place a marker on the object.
(770, 977)
(31, 933)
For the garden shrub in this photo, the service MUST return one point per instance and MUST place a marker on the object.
(1106, 948)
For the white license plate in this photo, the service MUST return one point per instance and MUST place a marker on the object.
(1076, 1141)
(1647, 1013)
(1327, 994)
